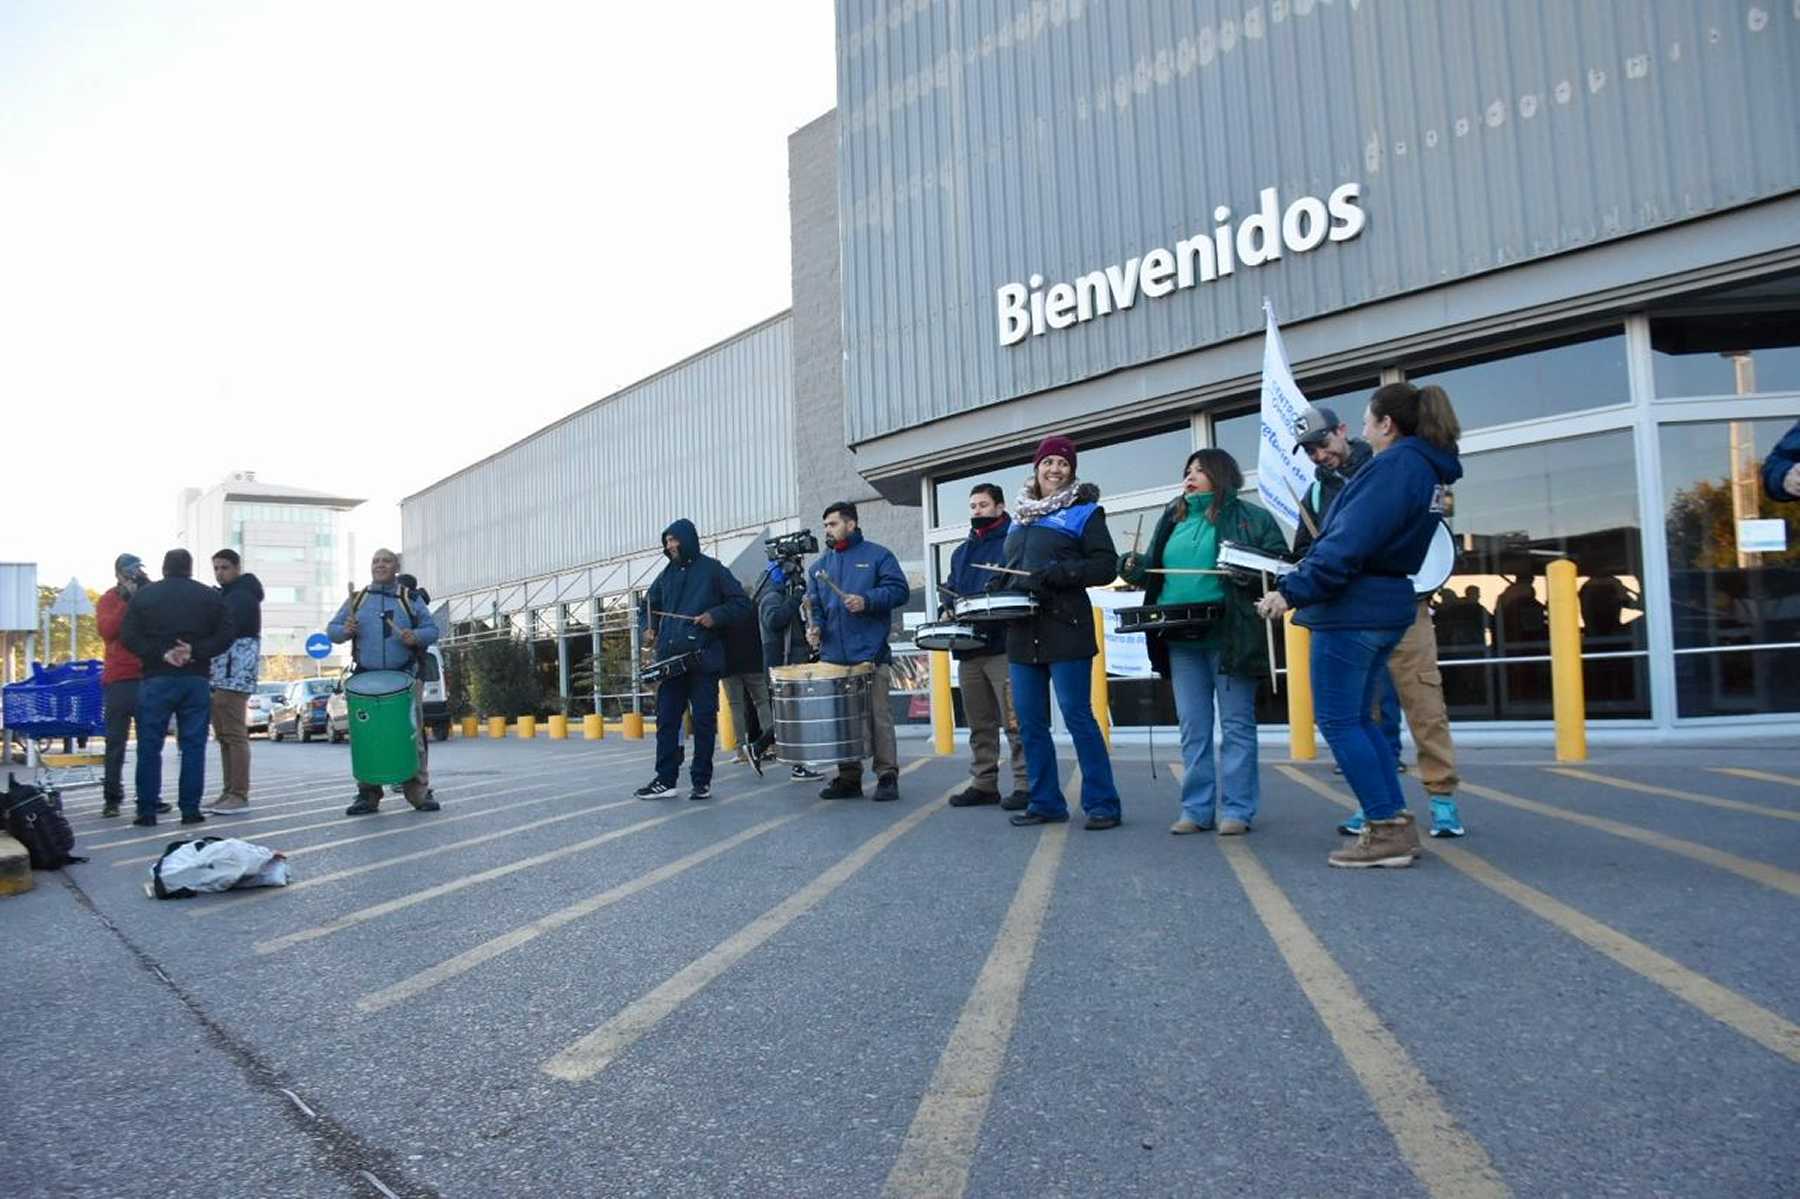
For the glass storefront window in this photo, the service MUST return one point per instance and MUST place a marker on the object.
(1516, 510)
(1742, 340)
(1587, 372)
(1736, 614)
(1121, 467)
(1239, 433)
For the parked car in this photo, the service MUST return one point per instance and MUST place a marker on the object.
(301, 710)
(262, 702)
(436, 709)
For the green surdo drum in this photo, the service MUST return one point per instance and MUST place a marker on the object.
(384, 727)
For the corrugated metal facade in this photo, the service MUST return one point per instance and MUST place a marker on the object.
(710, 438)
(982, 142)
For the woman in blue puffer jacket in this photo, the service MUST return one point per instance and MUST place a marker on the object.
(1354, 591)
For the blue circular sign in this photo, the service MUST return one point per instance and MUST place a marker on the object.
(319, 645)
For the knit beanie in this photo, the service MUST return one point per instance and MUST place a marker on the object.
(1056, 446)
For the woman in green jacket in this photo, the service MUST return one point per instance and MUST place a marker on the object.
(1216, 665)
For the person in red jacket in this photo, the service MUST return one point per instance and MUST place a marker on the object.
(119, 676)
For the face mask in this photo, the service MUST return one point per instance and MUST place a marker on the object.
(982, 524)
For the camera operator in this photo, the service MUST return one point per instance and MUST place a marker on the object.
(778, 602)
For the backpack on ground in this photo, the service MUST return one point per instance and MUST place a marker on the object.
(33, 822)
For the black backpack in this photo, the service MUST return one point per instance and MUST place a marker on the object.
(38, 826)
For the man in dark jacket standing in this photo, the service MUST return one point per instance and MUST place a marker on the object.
(686, 612)
(982, 673)
(783, 631)
(120, 676)
(851, 616)
(176, 627)
(234, 676)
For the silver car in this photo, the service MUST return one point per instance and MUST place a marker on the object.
(262, 702)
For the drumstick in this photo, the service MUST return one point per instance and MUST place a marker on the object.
(1179, 570)
(672, 615)
(826, 579)
(1004, 570)
(1137, 536)
(1269, 628)
(1301, 508)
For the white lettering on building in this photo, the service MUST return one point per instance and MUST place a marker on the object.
(1031, 309)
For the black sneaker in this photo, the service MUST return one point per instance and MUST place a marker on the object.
(839, 789)
(145, 822)
(1018, 801)
(804, 773)
(163, 808)
(972, 798)
(701, 791)
(110, 808)
(428, 804)
(193, 818)
(654, 789)
(887, 788)
(364, 806)
(1097, 823)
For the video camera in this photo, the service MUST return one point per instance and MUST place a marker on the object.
(791, 547)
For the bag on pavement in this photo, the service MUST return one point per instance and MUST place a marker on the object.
(187, 868)
(33, 821)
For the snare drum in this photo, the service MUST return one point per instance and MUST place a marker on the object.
(995, 605)
(668, 668)
(949, 634)
(1170, 618)
(1233, 556)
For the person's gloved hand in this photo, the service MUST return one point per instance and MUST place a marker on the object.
(1131, 566)
(1042, 579)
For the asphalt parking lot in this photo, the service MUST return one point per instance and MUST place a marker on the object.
(550, 988)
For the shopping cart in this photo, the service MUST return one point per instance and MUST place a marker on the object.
(61, 702)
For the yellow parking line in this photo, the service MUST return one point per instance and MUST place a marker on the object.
(412, 987)
(1445, 1159)
(376, 911)
(1729, 1008)
(1711, 801)
(940, 1145)
(1761, 776)
(598, 1049)
(1774, 877)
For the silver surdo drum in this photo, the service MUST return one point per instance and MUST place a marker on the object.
(821, 712)
(949, 634)
(995, 605)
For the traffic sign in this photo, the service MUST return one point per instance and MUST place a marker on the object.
(72, 602)
(319, 645)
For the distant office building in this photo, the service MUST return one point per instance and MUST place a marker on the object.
(290, 537)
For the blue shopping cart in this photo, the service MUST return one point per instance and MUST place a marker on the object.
(59, 702)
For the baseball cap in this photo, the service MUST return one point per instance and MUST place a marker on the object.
(128, 564)
(1314, 427)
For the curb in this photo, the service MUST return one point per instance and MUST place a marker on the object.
(15, 867)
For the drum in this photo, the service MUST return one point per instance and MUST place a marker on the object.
(995, 605)
(1233, 556)
(950, 635)
(668, 668)
(384, 727)
(1170, 618)
(821, 712)
(1439, 564)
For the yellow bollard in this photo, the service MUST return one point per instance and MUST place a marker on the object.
(1102, 710)
(1567, 697)
(527, 727)
(471, 727)
(593, 728)
(634, 726)
(728, 738)
(559, 728)
(496, 727)
(1303, 746)
(943, 705)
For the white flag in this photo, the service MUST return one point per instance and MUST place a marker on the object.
(1282, 476)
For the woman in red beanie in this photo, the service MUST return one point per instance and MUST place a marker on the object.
(1060, 540)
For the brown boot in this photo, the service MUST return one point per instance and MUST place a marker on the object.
(1382, 843)
(1412, 832)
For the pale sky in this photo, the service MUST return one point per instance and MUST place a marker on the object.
(355, 247)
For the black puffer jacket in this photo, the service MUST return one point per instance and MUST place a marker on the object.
(1067, 552)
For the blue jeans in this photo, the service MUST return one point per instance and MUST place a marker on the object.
(1349, 668)
(1388, 712)
(1073, 681)
(188, 698)
(1194, 673)
(673, 698)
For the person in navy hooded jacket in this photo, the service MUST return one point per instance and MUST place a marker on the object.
(850, 620)
(699, 589)
(1781, 469)
(1354, 592)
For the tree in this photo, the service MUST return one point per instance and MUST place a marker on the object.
(87, 637)
(503, 678)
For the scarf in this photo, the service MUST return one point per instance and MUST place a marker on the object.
(1027, 508)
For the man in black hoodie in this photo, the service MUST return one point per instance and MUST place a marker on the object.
(176, 627)
(234, 676)
(686, 613)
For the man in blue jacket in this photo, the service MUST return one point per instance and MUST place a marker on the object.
(982, 673)
(850, 619)
(1781, 469)
(388, 628)
(686, 613)
(783, 631)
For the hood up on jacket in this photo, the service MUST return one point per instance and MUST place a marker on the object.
(688, 537)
